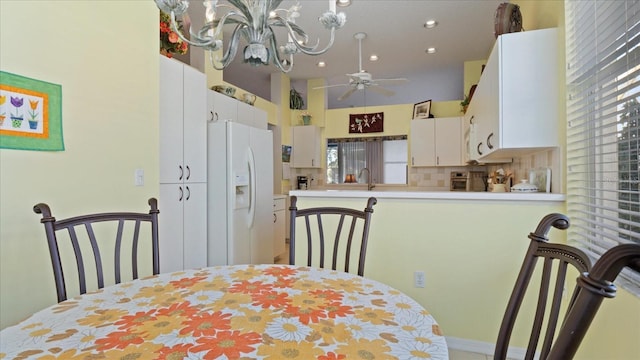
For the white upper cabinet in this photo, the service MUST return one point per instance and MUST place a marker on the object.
(305, 151)
(436, 142)
(515, 106)
(221, 107)
(183, 135)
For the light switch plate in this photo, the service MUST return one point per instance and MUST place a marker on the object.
(138, 179)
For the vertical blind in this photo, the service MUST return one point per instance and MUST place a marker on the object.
(603, 111)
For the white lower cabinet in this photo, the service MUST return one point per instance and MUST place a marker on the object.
(182, 226)
(279, 214)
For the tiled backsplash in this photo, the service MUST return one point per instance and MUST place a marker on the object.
(521, 166)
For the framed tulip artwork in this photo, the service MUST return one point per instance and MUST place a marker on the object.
(30, 114)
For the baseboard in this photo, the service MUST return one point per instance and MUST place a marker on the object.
(481, 347)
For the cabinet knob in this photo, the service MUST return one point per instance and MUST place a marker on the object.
(478, 149)
(181, 172)
(188, 172)
(181, 193)
(275, 218)
(489, 145)
(188, 193)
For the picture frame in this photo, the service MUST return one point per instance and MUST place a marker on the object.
(422, 110)
(30, 114)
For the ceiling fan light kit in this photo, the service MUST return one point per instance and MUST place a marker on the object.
(362, 80)
(253, 21)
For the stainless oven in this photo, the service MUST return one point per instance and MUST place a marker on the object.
(468, 181)
(458, 181)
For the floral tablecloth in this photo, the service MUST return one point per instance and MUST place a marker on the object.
(232, 312)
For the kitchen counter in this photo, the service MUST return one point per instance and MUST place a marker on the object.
(440, 195)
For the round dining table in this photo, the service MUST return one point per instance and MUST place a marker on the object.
(232, 312)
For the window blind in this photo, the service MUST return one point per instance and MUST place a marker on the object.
(603, 111)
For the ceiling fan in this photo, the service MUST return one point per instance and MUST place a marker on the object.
(362, 80)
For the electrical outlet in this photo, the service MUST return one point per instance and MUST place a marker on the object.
(418, 279)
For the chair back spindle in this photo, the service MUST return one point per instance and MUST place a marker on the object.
(356, 221)
(81, 230)
(552, 258)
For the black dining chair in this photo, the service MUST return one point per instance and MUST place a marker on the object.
(97, 239)
(346, 229)
(553, 261)
(594, 286)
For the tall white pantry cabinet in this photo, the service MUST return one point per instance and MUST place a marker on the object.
(183, 166)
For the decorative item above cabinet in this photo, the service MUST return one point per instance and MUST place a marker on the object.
(516, 104)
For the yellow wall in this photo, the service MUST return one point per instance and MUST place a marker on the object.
(106, 60)
(108, 72)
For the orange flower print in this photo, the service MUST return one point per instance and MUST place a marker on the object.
(3, 99)
(228, 343)
(336, 309)
(247, 287)
(206, 324)
(129, 321)
(186, 283)
(283, 283)
(332, 356)
(280, 271)
(33, 104)
(179, 351)
(306, 315)
(119, 340)
(329, 295)
(271, 299)
(178, 309)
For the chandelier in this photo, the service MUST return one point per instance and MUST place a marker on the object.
(255, 22)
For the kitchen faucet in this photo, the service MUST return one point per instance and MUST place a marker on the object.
(370, 184)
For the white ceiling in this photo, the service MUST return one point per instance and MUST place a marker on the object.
(396, 34)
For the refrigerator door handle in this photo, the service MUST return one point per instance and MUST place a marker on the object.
(252, 187)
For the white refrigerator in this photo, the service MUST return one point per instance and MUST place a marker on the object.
(240, 194)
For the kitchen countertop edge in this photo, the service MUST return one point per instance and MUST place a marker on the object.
(440, 195)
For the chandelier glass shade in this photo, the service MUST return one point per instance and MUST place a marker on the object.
(255, 22)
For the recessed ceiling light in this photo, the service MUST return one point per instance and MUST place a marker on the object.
(321, 64)
(430, 24)
(431, 50)
(373, 57)
(343, 3)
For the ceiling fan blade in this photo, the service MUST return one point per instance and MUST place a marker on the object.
(396, 81)
(381, 90)
(347, 94)
(329, 86)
